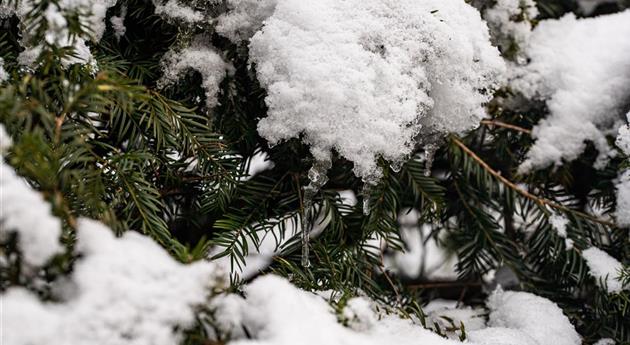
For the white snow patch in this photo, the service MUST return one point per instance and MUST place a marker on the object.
(173, 9)
(244, 18)
(535, 317)
(604, 268)
(510, 24)
(25, 212)
(581, 68)
(201, 57)
(364, 77)
(128, 291)
(4, 76)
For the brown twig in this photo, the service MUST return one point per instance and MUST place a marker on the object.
(540, 201)
(438, 285)
(389, 280)
(506, 125)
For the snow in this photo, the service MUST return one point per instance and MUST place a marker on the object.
(91, 15)
(604, 268)
(605, 341)
(118, 23)
(244, 18)
(173, 9)
(510, 23)
(201, 57)
(581, 69)
(559, 224)
(126, 291)
(533, 316)
(4, 76)
(588, 6)
(275, 312)
(622, 213)
(25, 212)
(623, 137)
(365, 77)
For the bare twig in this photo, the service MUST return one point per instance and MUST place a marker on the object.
(497, 123)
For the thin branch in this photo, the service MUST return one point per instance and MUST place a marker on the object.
(540, 201)
(497, 123)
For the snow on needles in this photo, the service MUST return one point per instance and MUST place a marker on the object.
(124, 291)
(581, 68)
(276, 313)
(201, 57)
(244, 18)
(365, 77)
(25, 212)
(604, 268)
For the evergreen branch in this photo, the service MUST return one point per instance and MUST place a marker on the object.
(540, 201)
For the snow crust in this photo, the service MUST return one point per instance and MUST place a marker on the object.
(581, 69)
(365, 77)
(604, 268)
(122, 291)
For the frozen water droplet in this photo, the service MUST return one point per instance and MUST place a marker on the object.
(318, 178)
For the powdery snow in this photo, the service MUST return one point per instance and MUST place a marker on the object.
(535, 317)
(276, 313)
(174, 9)
(25, 212)
(244, 18)
(364, 77)
(604, 268)
(201, 57)
(510, 24)
(122, 291)
(91, 15)
(581, 68)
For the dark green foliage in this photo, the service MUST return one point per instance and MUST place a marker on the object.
(113, 147)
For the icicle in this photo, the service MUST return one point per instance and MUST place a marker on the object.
(429, 155)
(317, 176)
(365, 192)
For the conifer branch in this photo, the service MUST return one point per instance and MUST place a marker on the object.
(539, 200)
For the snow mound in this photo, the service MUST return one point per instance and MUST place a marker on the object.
(581, 68)
(365, 77)
(604, 268)
(126, 291)
(534, 316)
